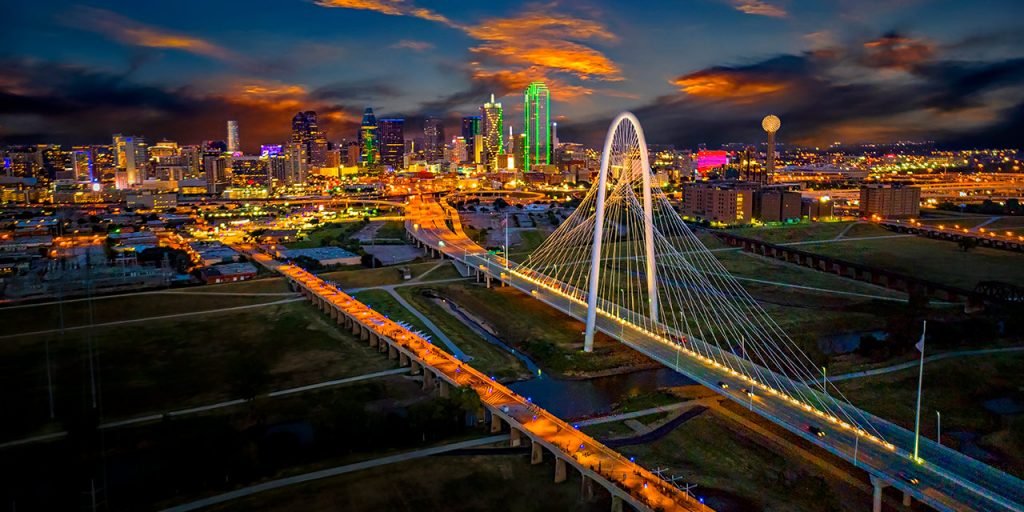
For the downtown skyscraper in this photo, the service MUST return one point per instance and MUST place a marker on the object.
(433, 139)
(392, 142)
(233, 144)
(368, 139)
(471, 136)
(537, 124)
(307, 133)
(492, 132)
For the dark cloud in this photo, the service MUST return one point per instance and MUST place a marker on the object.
(77, 105)
(369, 90)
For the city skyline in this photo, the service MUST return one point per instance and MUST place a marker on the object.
(880, 71)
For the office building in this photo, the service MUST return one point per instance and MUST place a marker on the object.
(492, 132)
(726, 202)
(537, 123)
(368, 139)
(306, 131)
(890, 201)
(233, 145)
(433, 139)
(392, 142)
(131, 157)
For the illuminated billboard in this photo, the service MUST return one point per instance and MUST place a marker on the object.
(711, 159)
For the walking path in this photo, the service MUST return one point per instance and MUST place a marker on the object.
(456, 351)
(845, 230)
(211, 407)
(162, 317)
(910, 364)
(335, 471)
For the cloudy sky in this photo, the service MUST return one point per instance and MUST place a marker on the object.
(692, 70)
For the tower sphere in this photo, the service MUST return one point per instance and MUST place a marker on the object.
(771, 123)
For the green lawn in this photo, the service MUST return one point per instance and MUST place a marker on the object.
(734, 470)
(487, 358)
(936, 260)
(392, 229)
(794, 232)
(956, 388)
(444, 270)
(553, 340)
(41, 317)
(367, 277)
(383, 302)
(171, 364)
(336, 231)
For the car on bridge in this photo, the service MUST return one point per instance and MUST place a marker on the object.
(908, 478)
(722, 384)
(815, 430)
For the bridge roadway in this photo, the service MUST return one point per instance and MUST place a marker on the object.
(948, 480)
(627, 482)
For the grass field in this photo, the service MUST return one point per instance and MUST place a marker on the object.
(337, 231)
(957, 388)
(486, 357)
(367, 277)
(392, 229)
(553, 340)
(382, 302)
(935, 260)
(735, 470)
(171, 364)
(794, 232)
(41, 317)
(450, 483)
(268, 285)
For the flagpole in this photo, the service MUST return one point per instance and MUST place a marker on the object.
(920, 378)
(506, 240)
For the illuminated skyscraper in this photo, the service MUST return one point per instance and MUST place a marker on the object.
(131, 157)
(433, 139)
(233, 146)
(471, 134)
(537, 120)
(368, 138)
(306, 131)
(491, 131)
(392, 142)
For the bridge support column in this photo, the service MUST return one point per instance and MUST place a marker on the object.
(495, 423)
(414, 367)
(445, 389)
(403, 360)
(876, 496)
(428, 379)
(392, 352)
(372, 341)
(488, 277)
(536, 453)
(560, 475)
(586, 488)
(514, 439)
(907, 500)
(616, 504)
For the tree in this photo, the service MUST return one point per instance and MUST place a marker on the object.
(500, 204)
(966, 243)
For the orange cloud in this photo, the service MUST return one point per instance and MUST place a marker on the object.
(134, 33)
(896, 51)
(728, 85)
(389, 7)
(759, 8)
(515, 80)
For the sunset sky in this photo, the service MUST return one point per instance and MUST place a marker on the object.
(692, 70)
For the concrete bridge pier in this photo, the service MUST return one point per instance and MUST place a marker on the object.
(560, 475)
(372, 341)
(536, 453)
(488, 280)
(392, 352)
(514, 439)
(428, 379)
(445, 389)
(876, 496)
(414, 368)
(403, 360)
(495, 423)
(616, 504)
(586, 488)
(907, 500)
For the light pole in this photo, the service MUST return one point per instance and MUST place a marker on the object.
(938, 427)
(920, 379)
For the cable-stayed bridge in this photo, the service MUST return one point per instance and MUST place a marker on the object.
(626, 265)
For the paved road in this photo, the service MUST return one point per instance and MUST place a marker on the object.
(335, 471)
(913, 364)
(161, 317)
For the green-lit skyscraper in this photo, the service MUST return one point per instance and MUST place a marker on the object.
(537, 113)
(492, 132)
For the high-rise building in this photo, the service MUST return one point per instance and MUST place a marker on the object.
(82, 163)
(306, 131)
(433, 139)
(492, 131)
(250, 171)
(471, 134)
(131, 156)
(297, 163)
(368, 140)
(392, 142)
(890, 200)
(233, 145)
(537, 121)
